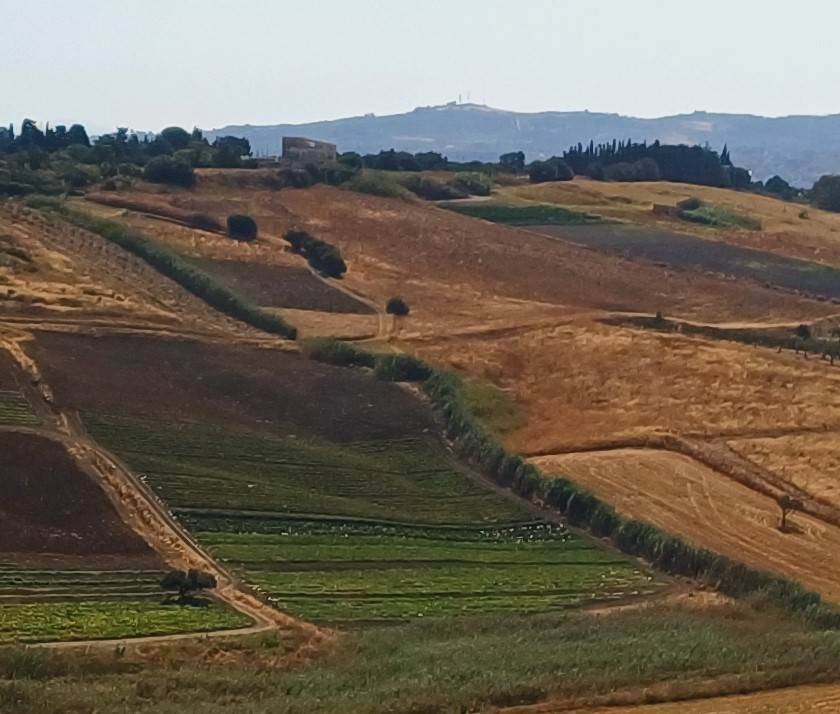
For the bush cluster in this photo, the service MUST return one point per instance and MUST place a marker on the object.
(322, 256)
(165, 169)
(242, 227)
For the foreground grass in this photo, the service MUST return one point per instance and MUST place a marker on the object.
(442, 666)
(65, 621)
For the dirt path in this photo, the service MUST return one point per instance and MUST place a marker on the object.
(148, 516)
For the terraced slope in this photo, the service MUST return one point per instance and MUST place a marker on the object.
(303, 498)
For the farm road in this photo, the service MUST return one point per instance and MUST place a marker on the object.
(149, 517)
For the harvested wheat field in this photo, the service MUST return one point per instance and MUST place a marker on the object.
(790, 229)
(584, 383)
(690, 500)
(809, 461)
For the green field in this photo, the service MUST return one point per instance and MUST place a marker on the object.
(105, 619)
(384, 530)
(41, 605)
(339, 572)
(15, 410)
(533, 214)
(199, 467)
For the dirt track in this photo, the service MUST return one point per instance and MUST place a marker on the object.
(148, 516)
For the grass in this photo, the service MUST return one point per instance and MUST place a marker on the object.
(37, 583)
(204, 468)
(67, 621)
(15, 410)
(377, 183)
(708, 214)
(444, 665)
(494, 407)
(534, 214)
(341, 572)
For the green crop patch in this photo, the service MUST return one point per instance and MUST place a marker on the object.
(200, 468)
(15, 410)
(533, 214)
(67, 621)
(340, 572)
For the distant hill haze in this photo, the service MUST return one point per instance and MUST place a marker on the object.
(799, 148)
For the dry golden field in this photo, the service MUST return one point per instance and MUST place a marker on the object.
(583, 383)
(810, 461)
(791, 229)
(706, 508)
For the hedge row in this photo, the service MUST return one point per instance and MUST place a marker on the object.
(387, 367)
(667, 553)
(581, 508)
(173, 266)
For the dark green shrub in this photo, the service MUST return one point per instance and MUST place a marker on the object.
(322, 256)
(552, 170)
(332, 351)
(241, 227)
(689, 204)
(432, 189)
(164, 169)
(826, 193)
(397, 306)
(473, 183)
(401, 368)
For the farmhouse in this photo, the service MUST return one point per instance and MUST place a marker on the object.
(299, 149)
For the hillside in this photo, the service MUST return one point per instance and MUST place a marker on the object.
(800, 148)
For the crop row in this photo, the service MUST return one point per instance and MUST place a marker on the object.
(15, 410)
(358, 574)
(44, 621)
(197, 467)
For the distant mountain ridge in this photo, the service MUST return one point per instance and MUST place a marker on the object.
(799, 148)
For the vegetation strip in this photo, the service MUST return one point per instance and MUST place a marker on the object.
(582, 509)
(173, 266)
(536, 214)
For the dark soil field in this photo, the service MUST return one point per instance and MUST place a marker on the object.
(282, 286)
(50, 506)
(227, 385)
(7, 375)
(687, 252)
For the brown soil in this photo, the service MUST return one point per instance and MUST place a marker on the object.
(282, 286)
(783, 231)
(444, 263)
(50, 506)
(224, 384)
(690, 500)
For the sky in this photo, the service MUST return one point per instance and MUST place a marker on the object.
(148, 64)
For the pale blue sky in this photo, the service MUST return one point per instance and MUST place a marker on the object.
(149, 63)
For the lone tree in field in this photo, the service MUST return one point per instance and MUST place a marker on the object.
(187, 582)
(397, 307)
(786, 505)
(241, 227)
